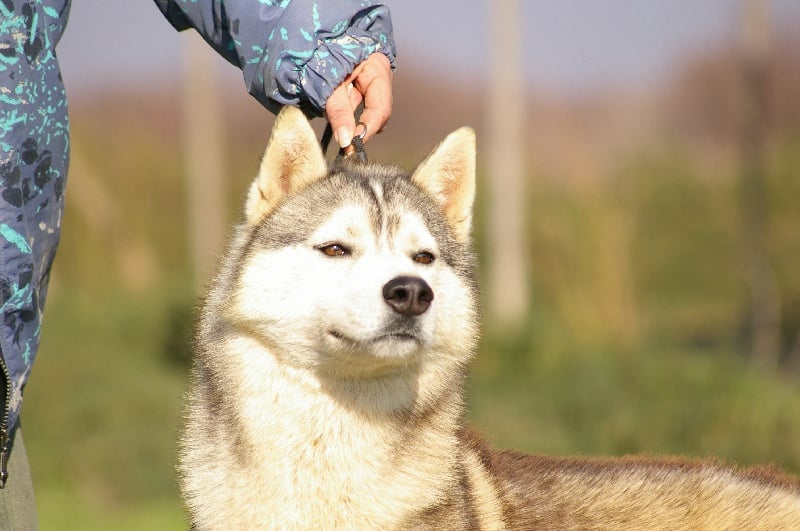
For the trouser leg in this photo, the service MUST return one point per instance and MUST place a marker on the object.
(17, 503)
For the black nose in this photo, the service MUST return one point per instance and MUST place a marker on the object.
(408, 296)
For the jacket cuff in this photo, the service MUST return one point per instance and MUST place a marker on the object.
(335, 60)
(309, 83)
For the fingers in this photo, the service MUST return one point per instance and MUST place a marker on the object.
(374, 82)
(370, 81)
(339, 110)
(355, 96)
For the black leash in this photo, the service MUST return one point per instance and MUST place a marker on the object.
(355, 149)
(326, 138)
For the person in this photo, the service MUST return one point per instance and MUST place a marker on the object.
(324, 57)
(321, 56)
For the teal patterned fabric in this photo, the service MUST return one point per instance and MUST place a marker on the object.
(34, 153)
(291, 52)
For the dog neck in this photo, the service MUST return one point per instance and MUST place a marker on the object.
(386, 442)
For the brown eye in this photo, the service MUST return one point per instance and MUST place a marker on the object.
(423, 257)
(334, 249)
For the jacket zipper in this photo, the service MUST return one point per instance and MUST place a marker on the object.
(5, 397)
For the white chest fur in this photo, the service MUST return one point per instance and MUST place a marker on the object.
(306, 457)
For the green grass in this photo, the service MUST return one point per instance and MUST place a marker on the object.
(61, 509)
(102, 412)
(103, 408)
(637, 341)
(662, 401)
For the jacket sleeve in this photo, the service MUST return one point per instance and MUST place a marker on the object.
(291, 52)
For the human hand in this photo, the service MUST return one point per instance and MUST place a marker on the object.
(370, 82)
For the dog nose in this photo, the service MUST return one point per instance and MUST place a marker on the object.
(409, 296)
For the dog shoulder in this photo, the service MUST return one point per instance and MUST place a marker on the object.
(640, 492)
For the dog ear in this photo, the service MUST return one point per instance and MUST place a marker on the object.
(293, 159)
(448, 174)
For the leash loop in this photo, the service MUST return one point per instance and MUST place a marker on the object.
(356, 147)
(364, 134)
(354, 150)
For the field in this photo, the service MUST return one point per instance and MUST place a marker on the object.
(638, 338)
(636, 341)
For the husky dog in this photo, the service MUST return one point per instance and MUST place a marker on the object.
(330, 362)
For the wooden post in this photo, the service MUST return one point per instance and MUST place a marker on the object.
(764, 296)
(508, 289)
(203, 157)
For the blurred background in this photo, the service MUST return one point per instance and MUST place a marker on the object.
(638, 227)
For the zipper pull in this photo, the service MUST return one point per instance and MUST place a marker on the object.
(3, 457)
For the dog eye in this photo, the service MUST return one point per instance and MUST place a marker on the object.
(423, 257)
(334, 249)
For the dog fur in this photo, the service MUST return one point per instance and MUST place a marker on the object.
(321, 401)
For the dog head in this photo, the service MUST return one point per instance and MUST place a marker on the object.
(358, 270)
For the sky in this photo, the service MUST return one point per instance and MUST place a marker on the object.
(569, 45)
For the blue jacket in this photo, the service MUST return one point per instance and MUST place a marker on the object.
(291, 52)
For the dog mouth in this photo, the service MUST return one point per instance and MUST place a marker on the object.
(383, 353)
(401, 336)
